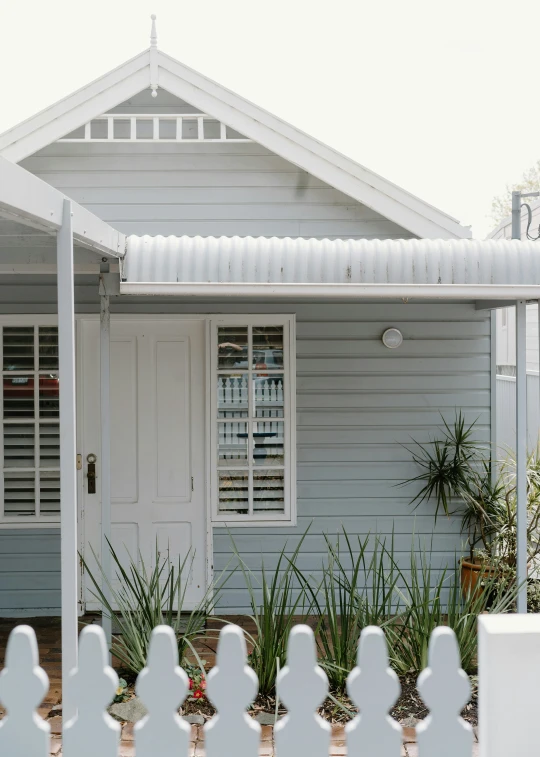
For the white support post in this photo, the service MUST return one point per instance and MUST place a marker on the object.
(493, 393)
(68, 453)
(105, 359)
(521, 453)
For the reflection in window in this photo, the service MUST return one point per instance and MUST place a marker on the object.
(251, 421)
(31, 434)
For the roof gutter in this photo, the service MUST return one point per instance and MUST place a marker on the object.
(334, 291)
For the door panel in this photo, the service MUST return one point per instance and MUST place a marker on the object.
(157, 443)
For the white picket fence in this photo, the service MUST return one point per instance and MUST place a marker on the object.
(509, 675)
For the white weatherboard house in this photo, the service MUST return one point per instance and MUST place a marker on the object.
(245, 275)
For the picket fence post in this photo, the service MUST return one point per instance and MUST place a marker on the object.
(303, 686)
(374, 688)
(445, 689)
(162, 686)
(23, 685)
(92, 686)
(231, 686)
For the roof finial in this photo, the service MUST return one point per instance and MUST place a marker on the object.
(153, 34)
(153, 58)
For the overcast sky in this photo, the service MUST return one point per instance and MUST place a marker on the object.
(439, 97)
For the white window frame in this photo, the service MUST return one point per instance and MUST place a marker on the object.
(18, 521)
(288, 517)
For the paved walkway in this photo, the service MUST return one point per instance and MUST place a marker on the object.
(338, 746)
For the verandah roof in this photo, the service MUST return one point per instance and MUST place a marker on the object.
(457, 269)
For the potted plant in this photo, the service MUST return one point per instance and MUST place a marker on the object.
(457, 473)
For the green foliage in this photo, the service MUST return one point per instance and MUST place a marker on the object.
(282, 598)
(355, 592)
(446, 464)
(121, 693)
(146, 598)
(432, 598)
(456, 470)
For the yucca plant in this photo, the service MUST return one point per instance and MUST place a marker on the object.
(282, 600)
(148, 597)
(433, 597)
(446, 464)
(355, 591)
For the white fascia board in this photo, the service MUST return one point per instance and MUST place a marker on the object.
(33, 202)
(76, 110)
(322, 161)
(333, 291)
(396, 204)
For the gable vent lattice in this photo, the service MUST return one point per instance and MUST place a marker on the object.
(196, 127)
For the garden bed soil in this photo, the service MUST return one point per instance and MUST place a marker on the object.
(408, 709)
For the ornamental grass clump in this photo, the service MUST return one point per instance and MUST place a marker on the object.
(277, 603)
(356, 590)
(432, 597)
(148, 597)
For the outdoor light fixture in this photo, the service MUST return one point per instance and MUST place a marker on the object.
(392, 338)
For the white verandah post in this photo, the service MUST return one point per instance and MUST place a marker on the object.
(105, 467)
(521, 453)
(68, 452)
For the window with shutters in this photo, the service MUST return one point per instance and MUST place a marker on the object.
(253, 412)
(30, 488)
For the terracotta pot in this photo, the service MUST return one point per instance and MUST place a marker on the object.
(471, 576)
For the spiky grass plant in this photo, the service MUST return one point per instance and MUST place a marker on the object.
(433, 597)
(276, 599)
(148, 597)
(356, 590)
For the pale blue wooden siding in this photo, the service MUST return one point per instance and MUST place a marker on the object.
(357, 404)
(29, 572)
(207, 189)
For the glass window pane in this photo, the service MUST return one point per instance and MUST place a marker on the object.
(233, 491)
(49, 396)
(48, 348)
(232, 443)
(19, 493)
(268, 396)
(232, 396)
(18, 396)
(232, 348)
(49, 492)
(268, 448)
(49, 445)
(268, 348)
(18, 348)
(268, 491)
(18, 445)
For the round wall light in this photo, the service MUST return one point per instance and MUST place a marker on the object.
(392, 338)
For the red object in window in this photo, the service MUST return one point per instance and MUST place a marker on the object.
(18, 387)
(261, 367)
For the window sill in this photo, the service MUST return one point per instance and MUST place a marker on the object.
(268, 523)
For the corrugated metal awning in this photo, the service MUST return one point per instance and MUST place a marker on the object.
(247, 266)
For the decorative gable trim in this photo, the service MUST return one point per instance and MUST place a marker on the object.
(328, 165)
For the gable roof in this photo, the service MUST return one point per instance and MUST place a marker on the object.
(153, 68)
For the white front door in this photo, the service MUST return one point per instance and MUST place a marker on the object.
(157, 443)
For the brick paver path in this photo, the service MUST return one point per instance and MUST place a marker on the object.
(337, 748)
